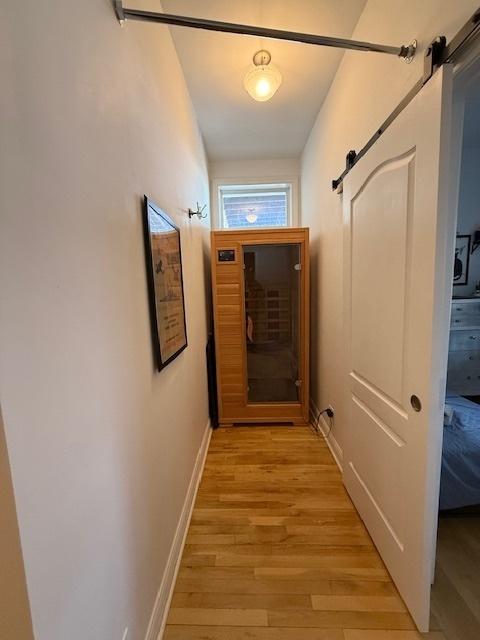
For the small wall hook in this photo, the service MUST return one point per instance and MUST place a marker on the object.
(198, 212)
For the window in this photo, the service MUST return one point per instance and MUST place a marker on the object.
(255, 206)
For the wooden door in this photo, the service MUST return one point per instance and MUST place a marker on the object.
(394, 206)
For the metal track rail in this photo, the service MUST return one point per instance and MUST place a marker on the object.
(437, 54)
(123, 13)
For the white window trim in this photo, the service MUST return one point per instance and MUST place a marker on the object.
(218, 183)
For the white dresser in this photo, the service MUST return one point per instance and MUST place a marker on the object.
(464, 351)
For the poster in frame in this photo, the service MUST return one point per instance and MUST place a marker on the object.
(462, 258)
(165, 284)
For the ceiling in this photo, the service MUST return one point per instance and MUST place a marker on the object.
(234, 126)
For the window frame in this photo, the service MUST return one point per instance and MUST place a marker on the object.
(273, 182)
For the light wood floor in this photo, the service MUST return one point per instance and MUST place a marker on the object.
(456, 592)
(276, 551)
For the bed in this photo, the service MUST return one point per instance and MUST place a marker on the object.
(460, 478)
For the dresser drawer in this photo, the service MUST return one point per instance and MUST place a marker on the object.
(463, 382)
(466, 306)
(465, 313)
(465, 340)
(464, 320)
(464, 360)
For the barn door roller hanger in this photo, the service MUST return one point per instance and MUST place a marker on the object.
(405, 51)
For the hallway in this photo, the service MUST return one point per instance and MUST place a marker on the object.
(276, 550)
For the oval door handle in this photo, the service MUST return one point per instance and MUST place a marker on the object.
(415, 402)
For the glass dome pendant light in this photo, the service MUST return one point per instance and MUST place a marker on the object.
(263, 80)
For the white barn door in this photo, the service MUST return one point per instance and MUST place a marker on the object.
(395, 216)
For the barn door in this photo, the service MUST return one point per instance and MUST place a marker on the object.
(394, 266)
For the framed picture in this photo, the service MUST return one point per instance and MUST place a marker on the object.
(462, 258)
(165, 284)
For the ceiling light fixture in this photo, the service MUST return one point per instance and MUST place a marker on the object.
(263, 80)
(251, 216)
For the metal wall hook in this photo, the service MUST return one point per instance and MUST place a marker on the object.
(198, 212)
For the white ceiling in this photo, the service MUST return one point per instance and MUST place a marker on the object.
(234, 126)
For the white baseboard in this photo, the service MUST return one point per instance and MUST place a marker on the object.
(324, 427)
(158, 618)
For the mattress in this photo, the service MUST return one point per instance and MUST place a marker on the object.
(460, 478)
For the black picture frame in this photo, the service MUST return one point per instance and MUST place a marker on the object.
(461, 260)
(163, 256)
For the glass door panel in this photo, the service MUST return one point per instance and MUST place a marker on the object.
(272, 322)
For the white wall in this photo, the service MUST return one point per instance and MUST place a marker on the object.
(366, 89)
(101, 447)
(256, 170)
(469, 213)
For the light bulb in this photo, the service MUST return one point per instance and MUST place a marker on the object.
(263, 79)
(262, 87)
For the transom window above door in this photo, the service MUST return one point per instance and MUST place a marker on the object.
(255, 206)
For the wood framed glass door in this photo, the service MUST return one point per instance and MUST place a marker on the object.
(272, 321)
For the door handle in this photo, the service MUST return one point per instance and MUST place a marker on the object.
(415, 402)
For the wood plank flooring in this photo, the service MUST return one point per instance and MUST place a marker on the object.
(456, 591)
(276, 550)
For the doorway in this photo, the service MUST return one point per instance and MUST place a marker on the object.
(455, 599)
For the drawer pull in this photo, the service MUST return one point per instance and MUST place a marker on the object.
(474, 337)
